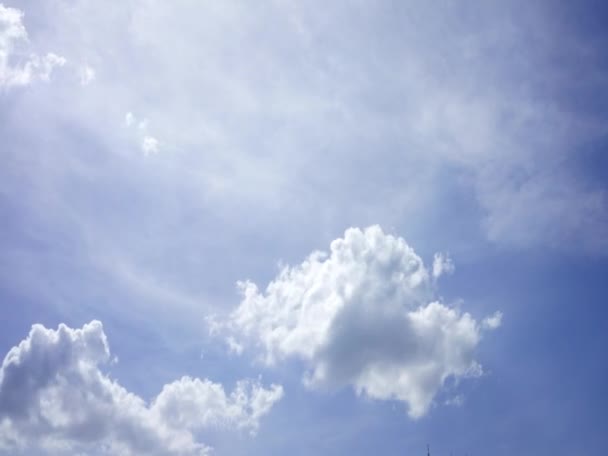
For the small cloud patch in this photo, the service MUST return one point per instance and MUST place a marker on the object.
(16, 67)
(149, 144)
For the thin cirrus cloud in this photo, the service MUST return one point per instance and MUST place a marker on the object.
(365, 96)
(363, 315)
(376, 88)
(18, 67)
(55, 397)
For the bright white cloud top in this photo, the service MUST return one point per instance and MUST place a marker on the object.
(363, 315)
(54, 396)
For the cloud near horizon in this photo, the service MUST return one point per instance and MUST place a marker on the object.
(364, 315)
(55, 397)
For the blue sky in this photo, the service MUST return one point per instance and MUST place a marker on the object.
(252, 229)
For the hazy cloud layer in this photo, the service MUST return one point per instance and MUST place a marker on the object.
(315, 101)
(54, 397)
(361, 114)
(363, 315)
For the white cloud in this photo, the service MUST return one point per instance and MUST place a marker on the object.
(11, 29)
(149, 145)
(193, 404)
(54, 397)
(442, 264)
(86, 75)
(364, 316)
(492, 322)
(129, 119)
(31, 67)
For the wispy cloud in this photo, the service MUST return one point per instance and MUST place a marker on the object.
(18, 68)
(86, 75)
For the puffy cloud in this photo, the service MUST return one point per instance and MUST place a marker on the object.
(32, 66)
(193, 403)
(493, 322)
(149, 145)
(363, 315)
(54, 397)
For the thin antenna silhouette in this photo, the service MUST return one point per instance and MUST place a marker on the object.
(428, 450)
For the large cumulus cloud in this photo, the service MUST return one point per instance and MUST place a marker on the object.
(364, 315)
(55, 398)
